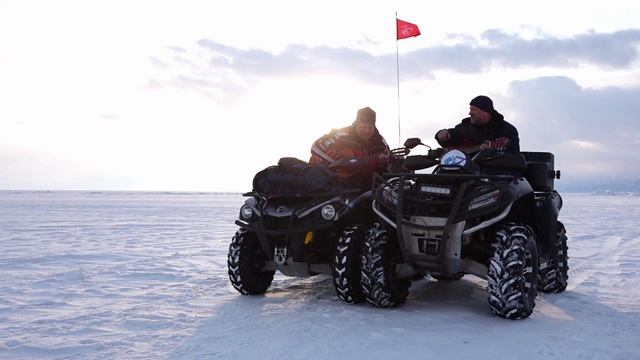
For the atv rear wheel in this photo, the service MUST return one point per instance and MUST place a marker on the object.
(346, 265)
(513, 271)
(553, 274)
(245, 262)
(380, 258)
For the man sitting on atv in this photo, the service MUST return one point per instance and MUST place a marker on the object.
(360, 140)
(483, 128)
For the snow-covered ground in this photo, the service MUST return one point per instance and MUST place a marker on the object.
(143, 275)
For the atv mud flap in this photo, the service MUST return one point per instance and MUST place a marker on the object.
(547, 208)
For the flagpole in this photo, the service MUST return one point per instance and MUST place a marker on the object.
(404, 30)
(398, 79)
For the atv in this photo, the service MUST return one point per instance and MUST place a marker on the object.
(484, 212)
(301, 220)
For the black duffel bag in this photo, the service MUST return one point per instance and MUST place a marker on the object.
(292, 176)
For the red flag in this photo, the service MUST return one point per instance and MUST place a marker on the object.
(406, 29)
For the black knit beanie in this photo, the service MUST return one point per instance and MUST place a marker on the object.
(366, 115)
(482, 102)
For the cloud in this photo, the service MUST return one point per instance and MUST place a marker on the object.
(613, 50)
(301, 59)
(213, 64)
(593, 132)
(557, 109)
(108, 116)
(617, 50)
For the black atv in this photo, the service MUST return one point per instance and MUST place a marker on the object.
(493, 215)
(303, 221)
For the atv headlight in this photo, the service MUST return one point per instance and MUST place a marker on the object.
(328, 212)
(246, 212)
(437, 190)
(484, 200)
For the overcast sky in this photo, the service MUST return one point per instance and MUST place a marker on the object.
(200, 95)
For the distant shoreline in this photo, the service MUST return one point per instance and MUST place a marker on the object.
(154, 192)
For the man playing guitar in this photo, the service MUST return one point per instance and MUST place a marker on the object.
(360, 140)
(484, 128)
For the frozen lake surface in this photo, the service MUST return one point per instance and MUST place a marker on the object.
(105, 275)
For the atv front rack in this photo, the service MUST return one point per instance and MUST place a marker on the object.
(401, 203)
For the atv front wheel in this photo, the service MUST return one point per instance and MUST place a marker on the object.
(553, 274)
(346, 265)
(245, 262)
(380, 258)
(513, 272)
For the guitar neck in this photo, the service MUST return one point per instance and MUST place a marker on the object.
(497, 144)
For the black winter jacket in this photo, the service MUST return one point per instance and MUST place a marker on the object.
(466, 134)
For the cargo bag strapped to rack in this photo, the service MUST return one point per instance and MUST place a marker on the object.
(292, 177)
